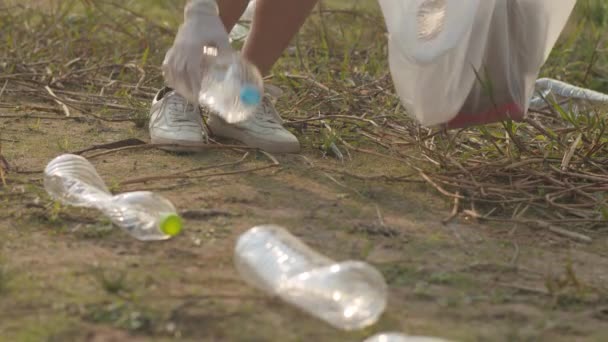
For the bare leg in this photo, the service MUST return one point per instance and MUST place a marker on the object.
(275, 22)
(231, 11)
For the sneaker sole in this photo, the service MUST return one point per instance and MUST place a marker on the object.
(225, 131)
(180, 145)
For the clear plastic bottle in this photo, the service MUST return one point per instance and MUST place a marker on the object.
(398, 337)
(231, 86)
(547, 88)
(348, 295)
(146, 216)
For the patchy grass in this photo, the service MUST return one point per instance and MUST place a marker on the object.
(5, 278)
(521, 258)
(112, 282)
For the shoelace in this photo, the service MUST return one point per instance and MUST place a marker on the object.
(267, 112)
(178, 110)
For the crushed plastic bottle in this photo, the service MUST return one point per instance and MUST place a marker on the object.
(231, 86)
(348, 295)
(547, 88)
(72, 180)
(398, 337)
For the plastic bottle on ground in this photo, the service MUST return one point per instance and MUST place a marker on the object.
(72, 180)
(550, 89)
(398, 337)
(231, 86)
(348, 295)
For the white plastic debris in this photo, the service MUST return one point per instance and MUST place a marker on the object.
(348, 295)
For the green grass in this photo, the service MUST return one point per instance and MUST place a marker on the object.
(5, 278)
(102, 58)
(113, 282)
(121, 315)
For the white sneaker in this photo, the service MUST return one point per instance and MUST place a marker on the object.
(175, 121)
(263, 130)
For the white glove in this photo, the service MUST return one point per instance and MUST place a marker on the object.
(182, 67)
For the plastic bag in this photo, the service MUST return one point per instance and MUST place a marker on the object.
(466, 62)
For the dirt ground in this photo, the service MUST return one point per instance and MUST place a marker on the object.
(67, 274)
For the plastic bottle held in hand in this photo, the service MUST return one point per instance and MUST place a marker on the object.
(398, 337)
(348, 295)
(72, 180)
(231, 86)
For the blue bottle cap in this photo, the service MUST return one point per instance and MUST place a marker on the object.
(250, 95)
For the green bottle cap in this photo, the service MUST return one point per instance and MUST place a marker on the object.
(171, 224)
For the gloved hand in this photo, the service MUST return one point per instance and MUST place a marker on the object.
(182, 67)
